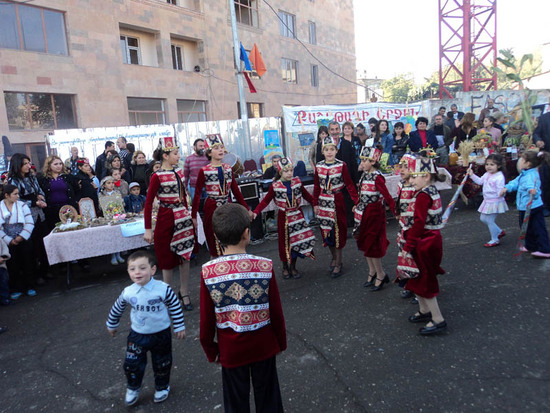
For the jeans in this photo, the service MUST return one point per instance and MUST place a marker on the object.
(4, 285)
(494, 229)
(536, 238)
(160, 346)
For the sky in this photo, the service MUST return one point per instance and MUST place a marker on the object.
(391, 34)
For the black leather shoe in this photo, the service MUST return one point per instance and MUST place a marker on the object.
(435, 328)
(339, 273)
(418, 318)
(370, 280)
(188, 306)
(406, 294)
(384, 280)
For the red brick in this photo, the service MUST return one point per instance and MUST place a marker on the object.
(8, 70)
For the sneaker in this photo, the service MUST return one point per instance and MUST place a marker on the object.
(132, 397)
(114, 261)
(502, 234)
(538, 254)
(162, 395)
(31, 292)
(120, 259)
(491, 244)
(15, 296)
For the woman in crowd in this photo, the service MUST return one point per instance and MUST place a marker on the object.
(315, 153)
(400, 141)
(465, 131)
(31, 194)
(115, 162)
(89, 185)
(496, 133)
(59, 189)
(138, 170)
(356, 144)
(385, 138)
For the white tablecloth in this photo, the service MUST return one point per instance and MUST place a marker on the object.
(392, 183)
(89, 242)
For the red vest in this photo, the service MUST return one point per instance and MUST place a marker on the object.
(368, 194)
(214, 188)
(434, 220)
(281, 195)
(330, 176)
(171, 190)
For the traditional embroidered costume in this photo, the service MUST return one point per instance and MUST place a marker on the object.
(422, 252)
(405, 195)
(296, 239)
(219, 183)
(329, 182)
(370, 213)
(174, 235)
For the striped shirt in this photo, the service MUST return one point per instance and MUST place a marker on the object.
(152, 307)
(16, 222)
(192, 166)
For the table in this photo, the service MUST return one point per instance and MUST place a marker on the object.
(86, 243)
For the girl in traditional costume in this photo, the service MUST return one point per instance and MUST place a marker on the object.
(331, 175)
(296, 239)
(174, 234)
(420, 257)
(370, 216)
(218, 181)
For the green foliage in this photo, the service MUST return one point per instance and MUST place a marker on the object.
(397, 88)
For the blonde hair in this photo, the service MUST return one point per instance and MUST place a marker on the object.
(48, 162)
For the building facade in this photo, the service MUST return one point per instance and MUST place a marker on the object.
(80, 63)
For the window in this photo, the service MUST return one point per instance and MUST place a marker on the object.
(145, 111)
(255, 110)
(28, 111)
(174, 2)
(191, 111)
(314, 75)
(247, 12)
(33, 29)
(130, 50)
(177, 59)
(312, 33)
(287, 24)
(290, 70)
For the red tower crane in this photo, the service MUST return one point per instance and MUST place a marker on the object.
(467, 45)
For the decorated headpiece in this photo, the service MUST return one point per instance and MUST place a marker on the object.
(408, 160)
(167, 143)
(428, 152)
(329, 140)
(423, 166)
(284, 163)
(371, 153)
(210, 141)
(82, 161)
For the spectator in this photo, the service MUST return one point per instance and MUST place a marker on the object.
(16, 227)
(89, 185)
(489, 127)
(465, 131)
(315, 150)
(120, 184)
(71, 163)
(386, 139)
(59, 189)
(450, 121)
(134, 202)
(441, 111)
(272, 170)
(444, 139)
(193, 164)
(373, 128)
(400, 141)
(488, 110)
(348, 135)
(456, 113)
(154, 166)
(123, 152)
(420, 138)
(541, 136)
(114, 161)
(500, 119)
(138, 171)
(31, 194)
(100, 160)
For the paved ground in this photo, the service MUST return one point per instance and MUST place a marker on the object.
(349, 350)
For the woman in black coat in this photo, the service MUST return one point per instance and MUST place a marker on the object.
(88, 186)
(138, 171)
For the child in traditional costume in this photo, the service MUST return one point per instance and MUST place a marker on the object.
(331, 175)
(108, 189)
(296, 239)
(370, 216)
(174, 234)
(493, 204)
(405, 194)
(420, 258)
(218, 181)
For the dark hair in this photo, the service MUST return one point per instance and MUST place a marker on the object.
(498, 160)
(421, 119)
(110, 159)
(7, 189)
(123, 138)
(350, 124)
(150, 169)
(450, 115)
(378, 126)
(360, 125)
(197, 141)
(321, 129)
(491, 118)
(229, 222)
(136, 255)
(109, 143)
(157, 155)
(80, 164)
(16, 163)
(536, 158)
(131, 147)
(454, 104)
(442, 107)
(399, 125)
(438, 177)
(373, 121)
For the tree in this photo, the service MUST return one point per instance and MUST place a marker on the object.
(397, 88)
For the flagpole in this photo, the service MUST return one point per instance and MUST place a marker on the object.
(242, 99)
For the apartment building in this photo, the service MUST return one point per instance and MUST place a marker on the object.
(82, 63)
